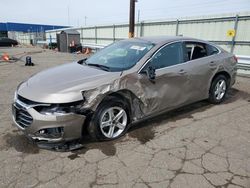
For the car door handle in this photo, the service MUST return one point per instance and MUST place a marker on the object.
(212, 65)
(182, 71)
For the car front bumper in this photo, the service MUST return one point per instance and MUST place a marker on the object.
(47, 128)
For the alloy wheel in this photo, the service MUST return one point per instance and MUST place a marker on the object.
(220, 89)
(113, 122)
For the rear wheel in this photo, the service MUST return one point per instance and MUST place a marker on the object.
(218, 89)
(110, 120)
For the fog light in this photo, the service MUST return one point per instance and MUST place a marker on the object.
(50, 132)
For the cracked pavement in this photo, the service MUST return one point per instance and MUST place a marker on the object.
(200, 145)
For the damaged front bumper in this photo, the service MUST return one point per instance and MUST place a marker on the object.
(43, 128)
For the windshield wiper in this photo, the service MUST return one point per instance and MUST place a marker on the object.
(82, 61)
(103, 67)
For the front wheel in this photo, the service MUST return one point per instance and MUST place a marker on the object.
(218, 89)
(110, 120)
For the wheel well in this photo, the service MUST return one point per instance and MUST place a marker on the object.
(224, 73)
(122, 96)
(127, 97)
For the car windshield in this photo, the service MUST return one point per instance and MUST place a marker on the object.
(120, 56)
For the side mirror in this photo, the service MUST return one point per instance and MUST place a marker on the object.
(150, 71)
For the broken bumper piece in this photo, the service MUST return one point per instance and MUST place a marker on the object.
(42, 128)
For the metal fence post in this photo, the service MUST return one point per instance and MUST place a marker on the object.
(141, 29)
(81, 37)
(113, 33)
(95, 34)
(177, 27)
(235, 29)
(137, 29)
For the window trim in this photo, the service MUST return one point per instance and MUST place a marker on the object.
(206, 44)
(185, 62)
(160, 48)
(219, 51)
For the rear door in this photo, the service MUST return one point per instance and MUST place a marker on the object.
(201, 66)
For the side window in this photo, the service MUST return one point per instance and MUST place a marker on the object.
(195, 50)
(169, 55)
(212, 50)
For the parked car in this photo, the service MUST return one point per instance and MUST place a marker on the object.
(7, 42)
(125, 82)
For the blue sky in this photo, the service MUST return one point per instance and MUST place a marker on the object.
(99, 12)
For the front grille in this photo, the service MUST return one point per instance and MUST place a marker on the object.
(22, 117)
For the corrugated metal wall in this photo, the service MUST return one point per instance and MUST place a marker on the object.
(21, 37)
(26, 27)
(25, 38)
(213, 28)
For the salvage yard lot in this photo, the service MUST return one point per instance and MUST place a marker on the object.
(200, 145)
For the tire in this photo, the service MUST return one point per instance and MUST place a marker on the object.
(218, 89)
(105, 124)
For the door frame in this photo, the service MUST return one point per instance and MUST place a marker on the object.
(141, 70)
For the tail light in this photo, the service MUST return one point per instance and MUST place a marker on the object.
(235, 59)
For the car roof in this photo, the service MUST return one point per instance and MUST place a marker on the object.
(160, 40)
(166, 39)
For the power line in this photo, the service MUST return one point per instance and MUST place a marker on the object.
(189, 6)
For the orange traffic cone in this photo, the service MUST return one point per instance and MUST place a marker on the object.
(5, 57)
(88, 51)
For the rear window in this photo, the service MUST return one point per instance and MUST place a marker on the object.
(195, 50)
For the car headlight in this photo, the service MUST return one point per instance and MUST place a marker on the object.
(60, 109)
(15, 96)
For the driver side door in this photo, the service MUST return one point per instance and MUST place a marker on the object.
(169, 88)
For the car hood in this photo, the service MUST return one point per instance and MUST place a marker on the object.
(63, 84)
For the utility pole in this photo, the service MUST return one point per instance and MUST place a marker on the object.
(85, 19)
(68, 17)
(68, 12)
(132, 18)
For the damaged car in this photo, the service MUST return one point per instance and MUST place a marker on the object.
(119, 85)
